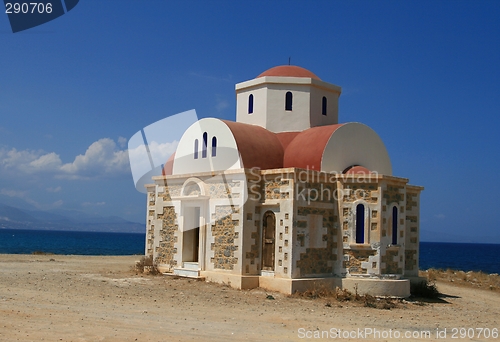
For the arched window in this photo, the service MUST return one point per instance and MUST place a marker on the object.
(214, 146)
(288, 100)
(196, 149)
(323, 106)
(250, 104)
(204, 147)
(394, 225)
(360, 223)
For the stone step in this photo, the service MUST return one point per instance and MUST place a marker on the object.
(185, 272)
(191, 265)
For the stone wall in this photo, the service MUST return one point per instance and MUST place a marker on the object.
(273, 189)
(394, 193)
(410, 260)
(224, 235)
(170, 189)
(391, 262)
(360, 191)
(150, 227)
(353, 194)
(315, 225)
(166, 250)
(222, 189)
(412, 230)
(317, 242)
(355, 259)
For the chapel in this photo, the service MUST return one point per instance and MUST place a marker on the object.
(285, 198)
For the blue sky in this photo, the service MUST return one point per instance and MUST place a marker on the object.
(424, 75)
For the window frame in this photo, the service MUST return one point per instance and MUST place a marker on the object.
(214, 146)
(204, 147)
(288, 101)
(250, 104)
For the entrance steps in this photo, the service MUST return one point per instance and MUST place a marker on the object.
(189, 270)
(191, 265)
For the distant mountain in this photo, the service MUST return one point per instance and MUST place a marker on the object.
(440, 236)
(70, 220)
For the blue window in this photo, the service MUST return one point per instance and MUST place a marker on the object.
(204, 148)
(214, 146)
(196, 149)
(250, 104)
(288, 100)
(323, 106)
(394, 225)
(360, 223)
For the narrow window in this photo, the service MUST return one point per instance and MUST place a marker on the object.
(360, 223)
(196, 149)
(214, 146)
(288, 100)
(394, 225)
(204, 148)
(323, 106)
(250, 104)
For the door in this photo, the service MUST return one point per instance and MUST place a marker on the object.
(191, 234)
(268, 240)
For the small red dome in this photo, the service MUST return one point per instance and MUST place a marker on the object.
(357, 170)
(289, 71)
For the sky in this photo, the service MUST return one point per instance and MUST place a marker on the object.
(425, 75)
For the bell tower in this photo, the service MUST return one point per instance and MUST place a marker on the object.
(287, 98)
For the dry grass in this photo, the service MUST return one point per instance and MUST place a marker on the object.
(146, 265)
(343, 295)
(470, 279)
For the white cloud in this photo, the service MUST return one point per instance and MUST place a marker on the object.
(139, 158)
(161, 152)
(13, 193)
(20, 160)
(440, 216)
(24, 195)
(57, 204)
(57, 189)
(122, 141)
(46, 162)
(102, 158)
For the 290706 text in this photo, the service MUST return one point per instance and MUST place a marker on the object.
(28, 7)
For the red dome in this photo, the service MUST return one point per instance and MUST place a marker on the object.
(306, 150)
(258, 147)
(169, 166)
(289, 71)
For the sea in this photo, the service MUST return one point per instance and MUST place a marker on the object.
(458, 256)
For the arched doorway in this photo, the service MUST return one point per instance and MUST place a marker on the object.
(268, 240)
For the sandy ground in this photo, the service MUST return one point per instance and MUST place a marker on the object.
(80, 298)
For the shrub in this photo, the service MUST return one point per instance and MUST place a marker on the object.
(424, 289)
(41, 253)
(147, 265)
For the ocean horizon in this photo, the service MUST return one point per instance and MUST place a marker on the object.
(441, 255)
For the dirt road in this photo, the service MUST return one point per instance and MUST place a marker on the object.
(81, 298)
